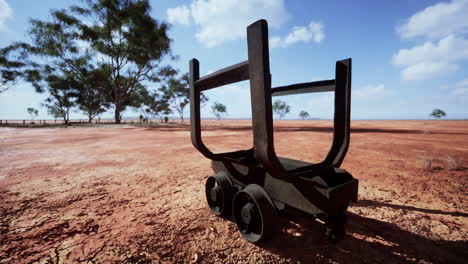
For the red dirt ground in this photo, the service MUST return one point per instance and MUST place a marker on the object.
(116, 194)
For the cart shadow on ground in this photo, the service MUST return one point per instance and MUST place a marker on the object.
(329, 129)
(323, 129)
(368, 241)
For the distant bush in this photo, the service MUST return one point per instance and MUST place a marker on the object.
(453, 163)
(426, 163)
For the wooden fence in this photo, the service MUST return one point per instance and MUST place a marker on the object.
(26, 122)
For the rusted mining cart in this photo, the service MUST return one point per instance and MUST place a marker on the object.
(255, 186)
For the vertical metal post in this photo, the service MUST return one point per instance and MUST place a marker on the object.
(260, 89)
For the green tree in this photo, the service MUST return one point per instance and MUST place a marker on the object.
(12, 63)
(218, 110)
(438, 113)
(32, 112)
(90, 98)
(152, 104)
(281, 108)
(118, 38)
(178, 92)
(62, 97)
(303, 114)
(129, 43)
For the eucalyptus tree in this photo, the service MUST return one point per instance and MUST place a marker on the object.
(219, 110)
(32, 112)
(90, 97)
(117, 38)
(152, 104)
(437, 113)
(281, 108)
(178, 93)
(62, 96)
(12, 63)
(303, 114)
(129, 44)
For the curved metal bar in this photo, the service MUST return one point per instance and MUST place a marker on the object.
(195, 122)
(342, 117)
(260, 89)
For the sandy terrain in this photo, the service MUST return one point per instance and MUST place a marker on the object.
(136, 195)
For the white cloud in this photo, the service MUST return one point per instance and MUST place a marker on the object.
(450, 48)
(437, 21)
(430, 59)
(180, 14)
(5, 13)
(314, 31)
(427, 70)
(218, 21)
(446, 22)
(371, 91)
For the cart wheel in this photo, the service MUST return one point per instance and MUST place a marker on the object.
(254, 213)
(219, 192)
(335, 228)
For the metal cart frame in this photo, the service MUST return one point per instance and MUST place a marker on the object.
(256, 185)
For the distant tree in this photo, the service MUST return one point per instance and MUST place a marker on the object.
(90, 97)
(281, 108)
(62, 97)
(438, 113)
(218, 110)
(32, 112)
(303, 114)
(54, 112)
(151, 104)
(178, 92)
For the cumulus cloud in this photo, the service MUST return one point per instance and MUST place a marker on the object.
(430, 59)
(444, 27)
(371, 91)
(5, 13)
(180, 14)
(218, 21)
(437, 21)
(314, 31)
(427, 70)
(450, 48)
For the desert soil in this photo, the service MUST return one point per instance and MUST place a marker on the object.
(122, 194)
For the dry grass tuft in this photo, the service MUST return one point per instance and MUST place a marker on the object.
(453, 163)
(426, 162)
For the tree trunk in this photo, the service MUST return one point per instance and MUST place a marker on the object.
(117, 115)
(90, 119)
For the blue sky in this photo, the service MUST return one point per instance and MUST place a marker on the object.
(409, 56)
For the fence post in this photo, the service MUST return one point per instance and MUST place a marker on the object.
(24, 122)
